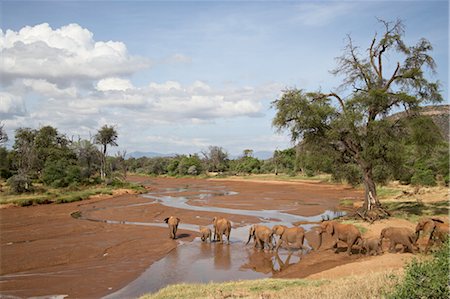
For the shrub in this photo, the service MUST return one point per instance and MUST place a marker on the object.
(426, 279)
(423, 175)
(20, 183)
(59, 173)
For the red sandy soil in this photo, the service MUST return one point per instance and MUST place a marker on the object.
(45, 251)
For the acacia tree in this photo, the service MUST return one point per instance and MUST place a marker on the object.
(354, 126)
(216, 159)
(107, 135)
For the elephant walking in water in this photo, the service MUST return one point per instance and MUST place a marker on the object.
(206, 233)
(289, 235)
(222, 226)
(173, 225)
(261, 235)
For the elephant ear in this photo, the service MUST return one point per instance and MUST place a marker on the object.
(178, 220)
(330, 228)
(214, 219)
(166, 220)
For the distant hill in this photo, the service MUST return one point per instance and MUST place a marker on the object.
(438, 113)
(148, 155)
(262, 155)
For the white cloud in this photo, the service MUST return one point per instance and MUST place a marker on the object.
(63, 55)
(322, 13)
(10, 105)
(114, 84)
(48, 89)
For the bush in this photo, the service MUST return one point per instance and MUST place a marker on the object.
(423, 175)
(59, 173)
(427, 279)
(20, 183)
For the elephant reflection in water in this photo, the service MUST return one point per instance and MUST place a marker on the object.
(267, 262)
(222, 256)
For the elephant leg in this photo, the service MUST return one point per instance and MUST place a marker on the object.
(278, 244)
(298, 244)
(335, 246)
(260, 244)
(410, 247)
(392, 247)
(427, 247)
(350, 245)
(257, 244)
(228, 237)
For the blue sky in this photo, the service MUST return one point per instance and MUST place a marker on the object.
(180, 76)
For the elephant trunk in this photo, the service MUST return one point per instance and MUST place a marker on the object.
(320, 240)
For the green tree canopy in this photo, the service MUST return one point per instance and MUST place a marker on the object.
(355, 125)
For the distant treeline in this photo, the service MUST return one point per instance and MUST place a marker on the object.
(47, 157)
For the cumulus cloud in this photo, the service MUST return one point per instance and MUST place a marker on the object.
(11, 105)
(114, 84)
(48, 89)
(63, 55)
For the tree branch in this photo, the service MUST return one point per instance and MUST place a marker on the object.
(393, 77)
(372, 55)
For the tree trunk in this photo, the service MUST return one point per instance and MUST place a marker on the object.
(103, 166)
(372, 209)
(370, 197)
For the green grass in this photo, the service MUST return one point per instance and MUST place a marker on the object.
(414, 210)
(63, 195)
(233, 289)
(280, 177)
(387, 192)
(371, 285)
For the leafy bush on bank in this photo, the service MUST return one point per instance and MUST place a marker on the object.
(426, 279)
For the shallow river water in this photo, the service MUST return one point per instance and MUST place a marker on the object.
(197, 261)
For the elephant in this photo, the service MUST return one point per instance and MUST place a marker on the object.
(261, 235)
(347, 233)
(433, 229)
(206, 233)
(222, 226)
(399, 235)
(371, 246)
(291, 235)
(173, 225)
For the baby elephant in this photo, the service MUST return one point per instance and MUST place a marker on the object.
(173, 225)
(371, 246)
(206, 233)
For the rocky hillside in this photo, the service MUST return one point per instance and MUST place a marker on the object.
(439, 114)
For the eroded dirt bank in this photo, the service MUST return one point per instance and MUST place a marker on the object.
(44, 251)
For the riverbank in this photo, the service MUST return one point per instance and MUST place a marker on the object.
(45, 251)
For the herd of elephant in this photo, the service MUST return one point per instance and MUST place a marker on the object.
(433, 231)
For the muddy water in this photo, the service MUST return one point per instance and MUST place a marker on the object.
(205, 262)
